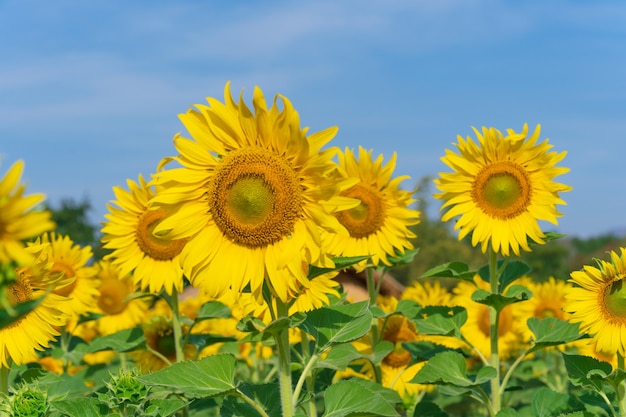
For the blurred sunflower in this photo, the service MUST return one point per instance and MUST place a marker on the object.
(33, 331)
(128, 231)
(161, 345)
(397, 369)
(118, 309)
(431, 293)
(501, 187)
(379, 225)
(252, 195)
(477, 329)
(19, 220)
(548, 300)
(598, 302)
(71, 260)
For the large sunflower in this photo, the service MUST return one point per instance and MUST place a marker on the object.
(153, 262)
(18, 218)
(501, 187)
(379, 225)
(71, 260)
(34, 331)
(252, 195)
(598, 302)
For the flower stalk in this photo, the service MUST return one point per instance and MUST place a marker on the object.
(494, 318)
(284, 361)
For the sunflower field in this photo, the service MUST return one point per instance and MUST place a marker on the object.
(249, 275)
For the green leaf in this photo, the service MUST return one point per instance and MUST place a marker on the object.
(549, 236)
(19, 311)
(165, 407)
(338, 324)
(548, 403)
(422, 351)
(213, 310)
(444, 368)
(80, 407)
(428, 409)
(265, 395)
(356, 397)
(122, 341)
(403, 258)
(341, 356)
(210, 376)
(457, 270)
(579, 368)
(408, 308)
(552, 332)
(341, 262)
(507, 412)
(514, 294)
(485, 374)
(512, 271)
(439, 320)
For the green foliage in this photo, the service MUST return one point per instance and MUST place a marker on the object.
(346, 398)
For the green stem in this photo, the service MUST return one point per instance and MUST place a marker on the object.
(284, 361)
(494, 318)
(372, 290)
(178, 330)
(510, 371)
(252, 403)
(621, 388)
(303, 377)
(4, 379)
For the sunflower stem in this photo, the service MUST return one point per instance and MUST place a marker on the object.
(284, 361)
(372, 290)
(178, 331)
(494, 318)
(4, 379)
(621, 388)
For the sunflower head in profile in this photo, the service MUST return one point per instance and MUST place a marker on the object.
(20, 340)
(597, 301)
(19, 218)
(153, 262)
(252, 193)
(501, 187)
(379, 225)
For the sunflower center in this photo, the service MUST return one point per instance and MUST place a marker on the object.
(113, 296)
(502, 190)
(68, 272)
(615, 299)
(255, 197)
(151, 245)
(368, 217)
(398, 331)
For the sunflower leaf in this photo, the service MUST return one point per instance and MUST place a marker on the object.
(552, 331)
(428, 409)
(458, 270)
(79, 406)
(213, 310)
(548, 403)
(122, 341)
(210, 376)
(580, 367)
(445, 368)
(513, 270)
(423, 350)
(341, 262)
(265, 395)
(347, 398)
(440, 320)
(338, 324)
(403, 258)
(514, 294)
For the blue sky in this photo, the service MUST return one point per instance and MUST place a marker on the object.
(90, 91)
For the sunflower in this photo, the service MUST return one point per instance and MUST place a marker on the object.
(160, 343)
(71, 260)
(476, 329)
(598, 302)
(119, 310)
(501, 188)
(34, 331)
(547, 301)
(252, 194)
(18, 218)
(379, 224)
(397, 369)
(153, 262)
